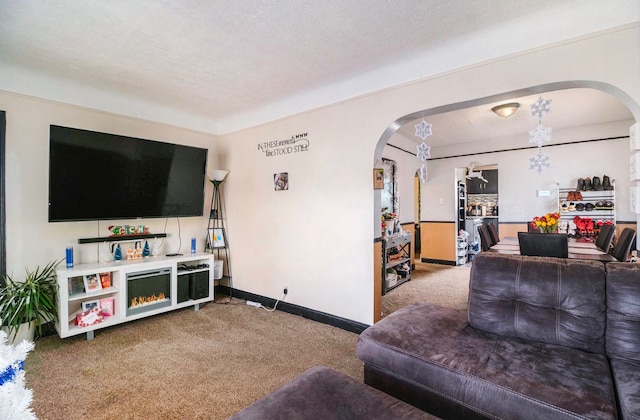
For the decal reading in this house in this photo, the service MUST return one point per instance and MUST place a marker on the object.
(295, 144)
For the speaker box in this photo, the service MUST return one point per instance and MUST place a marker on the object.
(183, 287)
(199, 285)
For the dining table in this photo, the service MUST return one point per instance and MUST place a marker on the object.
(578, 249)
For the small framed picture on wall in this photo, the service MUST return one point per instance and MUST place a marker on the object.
(281, 181)
(378, 178)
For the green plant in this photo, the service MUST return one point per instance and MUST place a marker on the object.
(34, 299)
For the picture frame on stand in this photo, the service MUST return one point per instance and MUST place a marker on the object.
(216, 238)
(90, 304)
(92, 283)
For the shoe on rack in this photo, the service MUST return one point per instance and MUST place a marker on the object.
(580, 186)
(571, 196)
(572, 207)
(589, 207)
(587, 185)
(564, 207)
(606, 183)
(577, 196)
(597, 186)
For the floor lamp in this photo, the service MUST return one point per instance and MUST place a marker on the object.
(219, 242)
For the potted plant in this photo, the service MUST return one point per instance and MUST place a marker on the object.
(31, 303)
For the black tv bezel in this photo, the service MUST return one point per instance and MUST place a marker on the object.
(119, 137)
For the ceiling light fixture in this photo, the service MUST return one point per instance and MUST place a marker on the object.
(506, 110)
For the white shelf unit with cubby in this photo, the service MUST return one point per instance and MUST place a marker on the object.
(70, 302)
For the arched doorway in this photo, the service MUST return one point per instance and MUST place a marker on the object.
(495, 99)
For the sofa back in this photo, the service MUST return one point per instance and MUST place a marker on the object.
(623, 310)
(544, 299)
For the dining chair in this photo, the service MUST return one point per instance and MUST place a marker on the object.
(605, 237)
(544, 244)
(623, 246)
(485, 239)
(493, 234)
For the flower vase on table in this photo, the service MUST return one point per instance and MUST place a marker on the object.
(547, 223)
(390, 226)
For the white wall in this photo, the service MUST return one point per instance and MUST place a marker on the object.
(31, 240)
(518, 184)
(317, 237)
(408, 164)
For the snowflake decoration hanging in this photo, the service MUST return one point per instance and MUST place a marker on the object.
(422, 173)
(424, 151)
(539, 162)
(423, 129)
(540, 135)
(540, 108)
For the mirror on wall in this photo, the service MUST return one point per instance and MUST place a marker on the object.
(389, 198)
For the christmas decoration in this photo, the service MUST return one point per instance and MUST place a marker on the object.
(423, 129)
(540, 108)
(540, 135)
(15, 399)
(422, 173)
(424, 151)
(539, 162)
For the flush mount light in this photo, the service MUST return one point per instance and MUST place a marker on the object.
(506, 110)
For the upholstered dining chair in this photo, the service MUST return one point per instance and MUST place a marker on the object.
(485, 239)
(544, 244)
(493, 233)
(623, 246)
(605, 237)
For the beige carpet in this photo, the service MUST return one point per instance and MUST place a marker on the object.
(440, 284)
(207, 364)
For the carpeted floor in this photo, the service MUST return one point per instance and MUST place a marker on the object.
(440, 284)
(207, 364)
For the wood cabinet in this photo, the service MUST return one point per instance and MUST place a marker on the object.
(478, 186)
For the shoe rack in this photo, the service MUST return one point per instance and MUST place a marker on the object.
(594, 204)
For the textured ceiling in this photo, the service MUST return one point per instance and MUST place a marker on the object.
(219, 61)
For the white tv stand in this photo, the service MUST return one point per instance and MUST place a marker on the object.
(180, 281)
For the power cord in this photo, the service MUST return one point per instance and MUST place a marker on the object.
(260, 305)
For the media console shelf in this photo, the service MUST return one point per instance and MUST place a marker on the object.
(133, 289)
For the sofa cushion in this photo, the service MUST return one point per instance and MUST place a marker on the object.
(436, 349)
(626, 377)
(623, 310)
(323, 393)
(550, 300)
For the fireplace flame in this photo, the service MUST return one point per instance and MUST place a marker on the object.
(147, 300)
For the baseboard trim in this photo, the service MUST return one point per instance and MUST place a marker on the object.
(432, 261)
(312, 314)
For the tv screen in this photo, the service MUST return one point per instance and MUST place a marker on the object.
(99, 176)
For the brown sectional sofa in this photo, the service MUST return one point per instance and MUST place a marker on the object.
(542, 338)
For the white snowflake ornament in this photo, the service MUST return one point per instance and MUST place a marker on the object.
(424, 151)
(540, 135)
(540, 108)
(423, 129)
(422, 173)
(539, 162)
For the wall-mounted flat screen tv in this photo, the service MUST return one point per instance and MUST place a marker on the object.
(99, 176)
